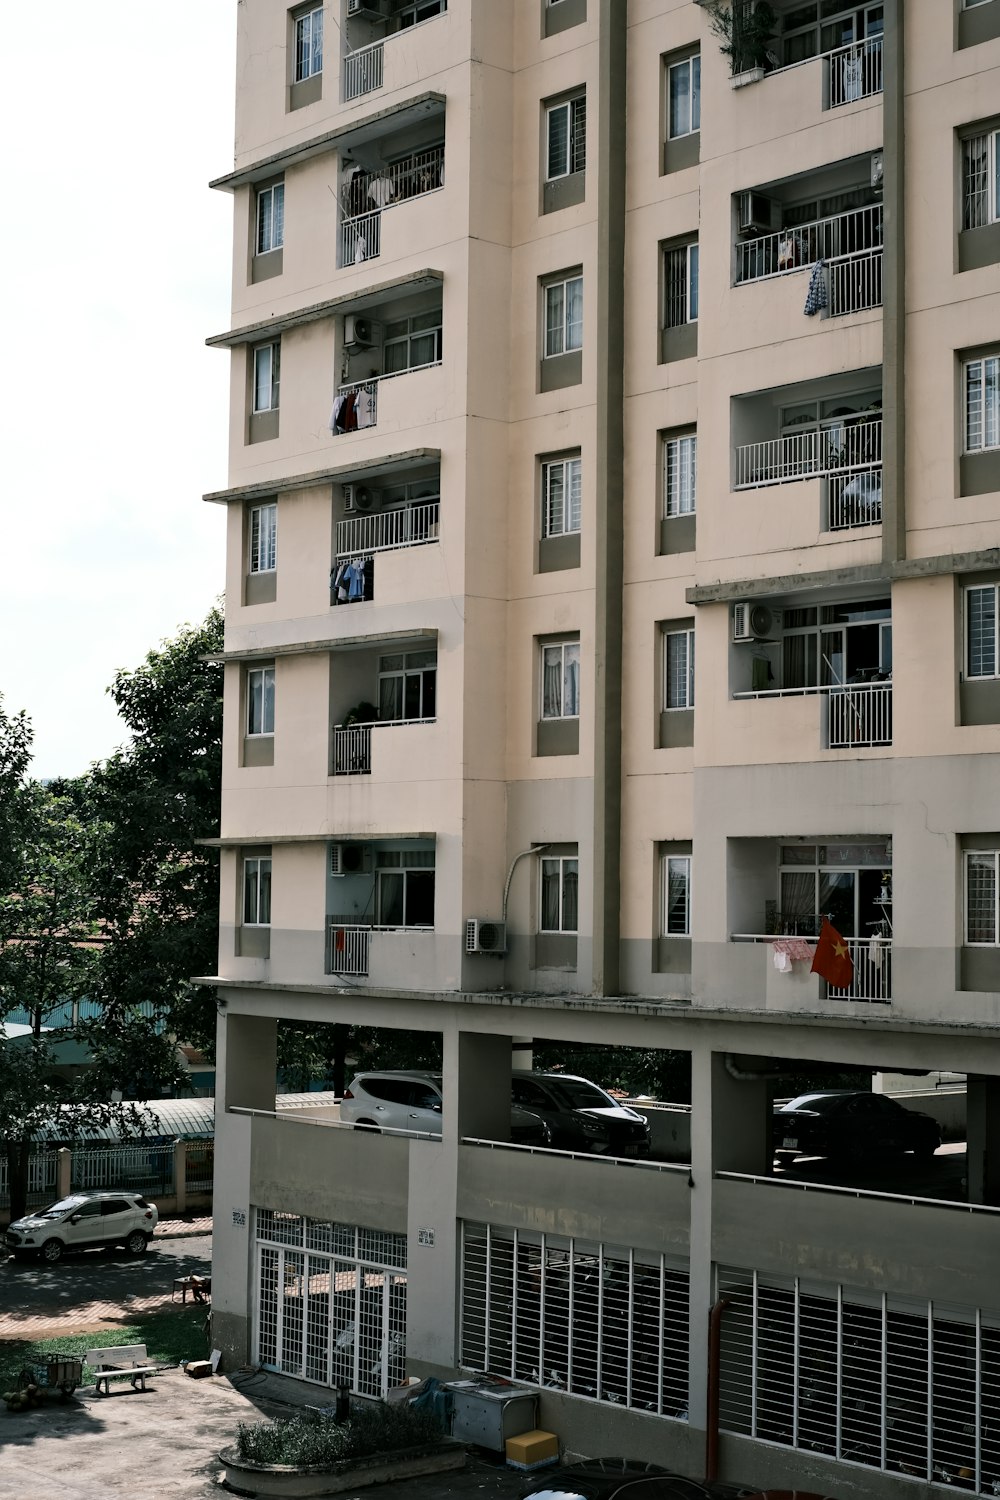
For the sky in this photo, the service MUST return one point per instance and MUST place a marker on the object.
(113, 414)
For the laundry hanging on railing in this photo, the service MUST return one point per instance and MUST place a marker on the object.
(787, 950)
(353, 410)
(817, 297)
(353, 582)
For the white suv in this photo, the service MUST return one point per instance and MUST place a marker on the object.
(83, 1220)
(412, 1101)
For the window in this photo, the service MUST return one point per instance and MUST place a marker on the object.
(270, 219)
(982, 403)
(256, 891)
(404, 888)
(968, 4)
(263, 537)
(266, 377)
(412, 342)
(680, 285)
(560, 894)
(981, 631)
(980, 179)
(410, 12)
(309, 44)
(684, 97)
(566, 137)
(678, 667)
(834, 644)
(561, 680)
(560, 496)
(260, 700)
(407, 686)
(680, 474)
(850, 883)
(981, 925)
(811, 27)
(676, 890)
(563, 316)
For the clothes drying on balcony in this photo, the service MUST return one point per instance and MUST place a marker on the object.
(353, 582)
(352, 410)
(787, 950)
(817, 297)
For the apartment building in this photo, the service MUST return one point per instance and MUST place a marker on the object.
(614, 547)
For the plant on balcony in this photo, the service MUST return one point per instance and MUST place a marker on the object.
(746, 31)
(362, 713)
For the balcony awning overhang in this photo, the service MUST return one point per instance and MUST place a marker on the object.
(333, 643)
(903, 568)
(397, 464)
(357, 301)
(257, 840)
(370, 128)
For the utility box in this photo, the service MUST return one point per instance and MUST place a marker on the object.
(490, 1410)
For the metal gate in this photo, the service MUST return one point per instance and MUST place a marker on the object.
(330, 1302)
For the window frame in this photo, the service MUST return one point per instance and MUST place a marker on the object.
(568, 867)
(407, 339)
(689, 280)
(393, 864)
(575, 139)
(988, 420)
(262, 538)
(306, 64)
(685, 494)
(256, 890)
(993, 590)
(972, 216)
(570, 500)
(426, 677)
(273, 380)
(276, 238)
(670, 680)
(993, 856)
(565, 327)
(568, 647)
(411, 9)
(260, 700)
(693, 97)
(666, 860)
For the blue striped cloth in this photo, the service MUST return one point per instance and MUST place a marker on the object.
(816, 298)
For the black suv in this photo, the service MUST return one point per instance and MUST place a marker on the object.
(581, 1116)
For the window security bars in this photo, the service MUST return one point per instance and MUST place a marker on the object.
(981, 631)
(802, 455)
(270, 219)
(309, 44)
(680, 476)
(855, 71)
(414, 526)
(907, 1387)
(563, 317)
(982, 403)
(678, 669)
(263, 538)
(680, 285)
(363, 70)
(567, 138)
(980, 179)
(330, 1302)
(606, 1323)
(981, 926)
(858, 232)
(676, 889)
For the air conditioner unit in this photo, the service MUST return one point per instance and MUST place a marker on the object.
(484, 935)
(350, 859)
(752, 622)
(360, 332)
(358, 497)
(754, 213)
(878, 170)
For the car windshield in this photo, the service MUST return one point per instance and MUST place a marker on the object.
(579, 1094)
(64, 1206)
(817, 1102)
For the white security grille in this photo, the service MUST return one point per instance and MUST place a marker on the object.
(610, 1324)
(330, 1302)
(909, 1387)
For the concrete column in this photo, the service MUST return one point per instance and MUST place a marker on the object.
(64, 1171)
(245, 1073)
(180, 1175)
(484, 1064)
(983, 1139)
(522, 1053)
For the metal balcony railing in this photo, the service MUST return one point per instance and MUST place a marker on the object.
(855, 71)
(416, 174)
(355, 406)
(859, 714)
(352, 744)
(854, 499)
(363, 70)
(386, 531)
(844, 447)
(360, 238)
(857, 232)
(855, 283)
(347, 945)
(871, 957)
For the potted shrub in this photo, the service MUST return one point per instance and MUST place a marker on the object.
(746, 30)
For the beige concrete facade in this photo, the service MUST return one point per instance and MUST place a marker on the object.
(842, 487)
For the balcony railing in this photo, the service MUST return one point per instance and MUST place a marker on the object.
(361, 233)
(841, 236)
(853, 499)
(355, 405)
(854, 283)
(871, 958)
(859, 714)
(360, 238)
(347, 944)
(855, 71)
(846, 448)
(352, 744)
(387, 531)
(363, 70)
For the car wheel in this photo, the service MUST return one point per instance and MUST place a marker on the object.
(368, 1125)
(52, 1251)
(925, 1150)
(136, 1243)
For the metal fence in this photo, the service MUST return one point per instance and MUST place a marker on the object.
(855, 71)
(42, 1167)
(141, 1168)
(363, 70)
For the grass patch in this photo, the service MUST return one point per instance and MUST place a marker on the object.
(170, 1335)
(371, 1430)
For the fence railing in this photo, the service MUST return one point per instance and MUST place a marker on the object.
(855, 283)
(871, 959)
(855, 71)
(361, 238)
(847, 446)
(352, 744)
(150, 1168)
(388, 530)
(853, 499)
(363, 70)
(347, 945)
(857, 232)
(42, 1169)
(859, 714)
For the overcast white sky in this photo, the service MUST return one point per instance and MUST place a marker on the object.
(116, 267)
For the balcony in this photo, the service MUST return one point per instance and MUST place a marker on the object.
(365, 196)
(871, 958)
(849, 244)
(854, 72)
(352, 744)
(377, 23)
(847, 455)
(383, 338)
(347, 946)
(363, 70)
(387, 531)
(859, 714)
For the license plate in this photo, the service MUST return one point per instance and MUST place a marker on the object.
(790, 1143)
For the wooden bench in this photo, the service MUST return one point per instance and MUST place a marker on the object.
(122, 1362)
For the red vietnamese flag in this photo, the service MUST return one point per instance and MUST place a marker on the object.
(832, 960)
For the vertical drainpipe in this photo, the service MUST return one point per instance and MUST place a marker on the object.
(893, 289)
(609, 180)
